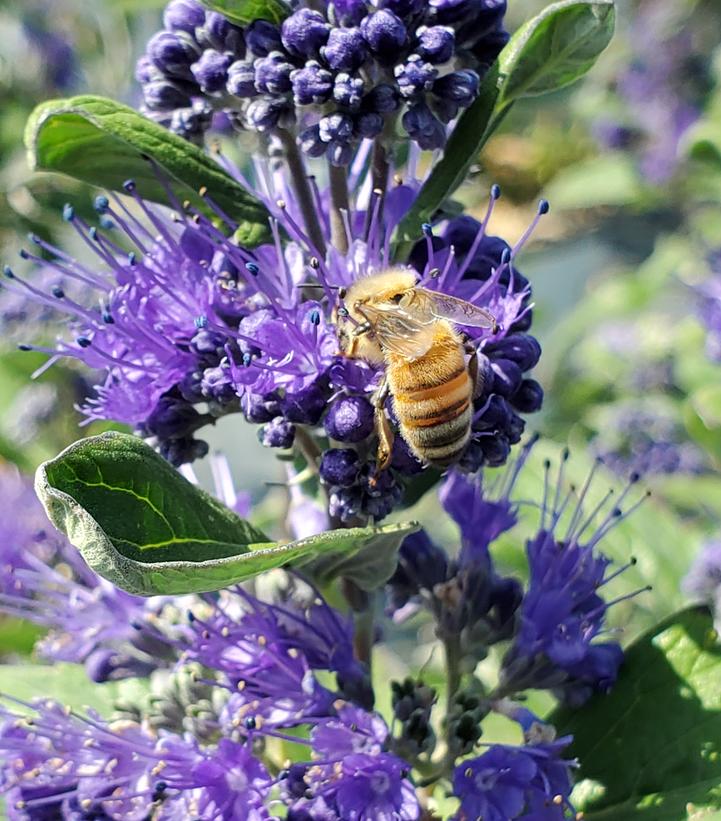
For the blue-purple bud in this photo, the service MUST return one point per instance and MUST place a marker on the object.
(183, 15)
(272, 74)
(385, 33)
(529, 397)
(383, 99)
(304, 33)
(459, 86)
(172, 419)
(260, 408)
(208, 344)
(349, 419)
(241, 79)
(211, 71)
(339, 467)
(306, 405)
(507, 376)
(423, 127)
(311, 84)
(496, 450)
(336, 128)
(348, 91)
(278, 433)
(415, 76)
(220, 34)
(369, 125)
(192, 122)
(436, 44)
(311, 143)
(346, 49)
(523, 349)
(146, 71)
(262, 37)
(173, 53)
(217, 385)
(164, 95)
(265, 112)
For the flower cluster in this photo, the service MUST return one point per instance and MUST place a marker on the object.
(246, 337)
(554, 625)
(330, 75)
(250, 675)
(703, 580)
(44, 579)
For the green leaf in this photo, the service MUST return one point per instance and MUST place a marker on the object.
(369, 563)
(245, 11)
(650, 749)
(141, 525)
(702, 142)
(555, 48)
(67, 683)
(468, 137)
(105, 143)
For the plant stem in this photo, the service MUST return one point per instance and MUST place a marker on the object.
(452, 648)
(303, 191)
(339, 204)
(380, 169)
(363, 606)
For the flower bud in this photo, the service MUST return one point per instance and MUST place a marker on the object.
(211, 71)
(459, 86)
(345, 50)
(183, 15)
(423, 127)
(304, 32)
(349, 419)
(436, 44)
(173, 53)
(278, 433)
(348, 91)
(265, 112)
(272, 74)
(339, 466)
(385, 33)
(262, 37)
(311, 84)
(529, 397)
(415, 76)
(241, 79)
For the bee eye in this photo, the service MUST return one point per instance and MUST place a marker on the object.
(343, 312)
(396, 298)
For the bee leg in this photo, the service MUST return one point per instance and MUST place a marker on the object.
(383, 428)
(473, 371)
(359, 330)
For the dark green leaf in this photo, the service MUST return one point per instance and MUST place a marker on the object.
(703, 143)
(245, 11)
(555, 48)
(141, 525)
(650, 749)
(369, 562)
(467, 139)
(105, 143)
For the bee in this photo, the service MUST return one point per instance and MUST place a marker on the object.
(387, 319)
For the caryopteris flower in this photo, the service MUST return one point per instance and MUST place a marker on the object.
(190, 327)
(331, 75)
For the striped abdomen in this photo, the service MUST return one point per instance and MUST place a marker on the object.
(432, 398)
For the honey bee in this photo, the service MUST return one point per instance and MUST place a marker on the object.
(387, 319)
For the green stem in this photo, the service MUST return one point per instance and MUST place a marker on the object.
(339, 204)
(380, 170)
(363, 606)
(452, 649)
(302, 188)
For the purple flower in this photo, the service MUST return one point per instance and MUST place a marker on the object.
(529, 782)
(370, 787)
(563, 613)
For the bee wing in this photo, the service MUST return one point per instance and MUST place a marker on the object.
(400, 332)
(444, 306)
